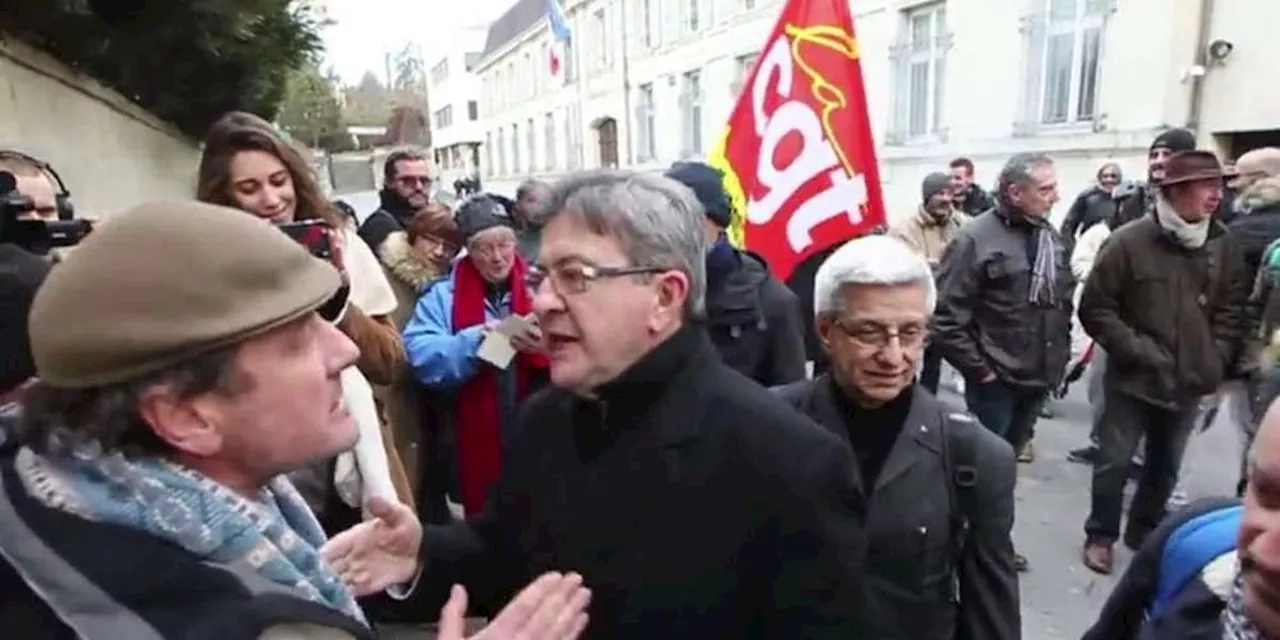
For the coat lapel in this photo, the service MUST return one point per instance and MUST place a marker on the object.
(824, 409)
(918, 440)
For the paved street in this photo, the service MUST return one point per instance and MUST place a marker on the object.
(1061, 598)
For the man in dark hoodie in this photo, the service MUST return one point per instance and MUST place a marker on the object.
(753, 318)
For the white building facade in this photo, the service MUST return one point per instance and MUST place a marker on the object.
(454, 92)
(1086, 81)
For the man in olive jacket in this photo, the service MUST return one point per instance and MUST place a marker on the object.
(1166, 300)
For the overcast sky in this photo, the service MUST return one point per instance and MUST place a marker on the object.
(364, 30)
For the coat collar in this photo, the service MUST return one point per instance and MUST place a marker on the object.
(397, 256)
(628, 400)
(920, 437)
(927, 221)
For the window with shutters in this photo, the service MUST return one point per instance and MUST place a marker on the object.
(742, 66)
(515, 148)
(549, 139)
(646, 140)
(919, 61)
(691, 114)
(501, 139)
(693, 18)
(488, 153)
(648, 23)
(1063, 44)
(531, 144)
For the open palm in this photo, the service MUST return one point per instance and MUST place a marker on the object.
(377, 553)
(553, 607)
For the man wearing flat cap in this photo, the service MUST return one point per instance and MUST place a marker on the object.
(1166, 301)
(142, 494)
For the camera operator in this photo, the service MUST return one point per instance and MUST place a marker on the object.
(35, 206)
(35, 180)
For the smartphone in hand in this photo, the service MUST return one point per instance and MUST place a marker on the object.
(312, 234)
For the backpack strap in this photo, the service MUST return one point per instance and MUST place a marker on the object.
(960, 462)
(1191, 547)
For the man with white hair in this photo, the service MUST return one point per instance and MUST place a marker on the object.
(939, 496)
(693, 501)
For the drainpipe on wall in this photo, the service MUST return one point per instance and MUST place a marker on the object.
(628, 114)
(1202, 60)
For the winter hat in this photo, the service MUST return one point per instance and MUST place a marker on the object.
(164, 282)
(1189, 166)
(707, 183)
(934, 184)
(1175, 140)
(21, 274)
(481, 213)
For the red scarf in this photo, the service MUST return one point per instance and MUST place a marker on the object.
(477, 414)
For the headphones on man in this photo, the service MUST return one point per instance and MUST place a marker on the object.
(62, 200)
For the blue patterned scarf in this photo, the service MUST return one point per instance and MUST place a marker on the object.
(276, 537)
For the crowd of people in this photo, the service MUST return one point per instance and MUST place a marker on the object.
(582, 411)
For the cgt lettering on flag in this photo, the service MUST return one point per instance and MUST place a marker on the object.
(801, 167)
(797, 152)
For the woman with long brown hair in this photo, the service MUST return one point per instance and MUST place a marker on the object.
(246, 164)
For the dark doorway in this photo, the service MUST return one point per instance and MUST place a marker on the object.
(1237, 143)
(607, 138)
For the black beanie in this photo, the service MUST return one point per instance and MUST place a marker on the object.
(707, 183)
(480, 213)
(1175, 140)
(21, 273)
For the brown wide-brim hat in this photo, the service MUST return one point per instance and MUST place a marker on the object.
(1191, 166)
(164, 282)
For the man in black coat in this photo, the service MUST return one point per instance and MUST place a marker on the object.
(939, 487)
(753, 318)
(693, 502)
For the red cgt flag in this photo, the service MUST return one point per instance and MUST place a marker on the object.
(797, 152)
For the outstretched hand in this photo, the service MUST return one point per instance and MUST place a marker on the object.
(553, 607)
(379, 552)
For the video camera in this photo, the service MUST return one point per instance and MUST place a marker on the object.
(35, 235)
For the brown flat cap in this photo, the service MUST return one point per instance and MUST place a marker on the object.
(1189, 166)
(164, 282)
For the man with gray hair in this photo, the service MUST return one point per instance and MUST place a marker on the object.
(1004, 311)
(873, 299)
(693, 501)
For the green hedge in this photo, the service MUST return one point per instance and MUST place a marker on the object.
(186, 61)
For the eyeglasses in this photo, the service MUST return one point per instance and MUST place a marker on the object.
(574, 279)
(877, 336)
(494, 249)
(410, 181)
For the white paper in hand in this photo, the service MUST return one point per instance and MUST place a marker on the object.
(515, 325)
(496, 349)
